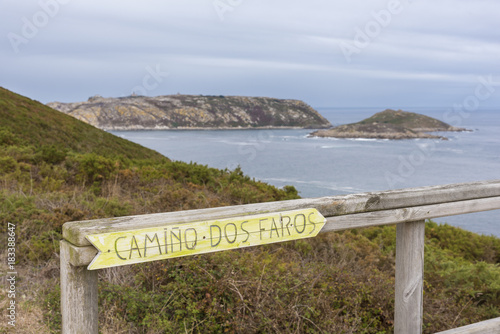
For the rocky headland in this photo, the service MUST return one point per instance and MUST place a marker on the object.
(193, 112)
(390, 124)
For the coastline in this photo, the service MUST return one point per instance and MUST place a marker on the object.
(161, 128)
(382, 136)
(427, 134)
(393, 125)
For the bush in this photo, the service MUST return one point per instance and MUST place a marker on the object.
(7, 137)
(7, 165)
(51, 155)
(95, 168)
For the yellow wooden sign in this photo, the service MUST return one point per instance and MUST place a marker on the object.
(175, 240)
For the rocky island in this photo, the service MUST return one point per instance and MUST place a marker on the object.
(390, 124)
(193, 112)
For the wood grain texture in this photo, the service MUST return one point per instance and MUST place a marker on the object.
(491, 326)
(153, 244)
(78, 296)
(75, 232)
(408, 302)
(82, 256)
(388, 217)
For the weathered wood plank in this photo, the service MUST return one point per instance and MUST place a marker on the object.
(75, 232)
(82, 256)
(388, 217)
(153, 244)
(78, 296)
(408, 303)
(491, 326)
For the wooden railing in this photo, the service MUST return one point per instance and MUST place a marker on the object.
(408, 208)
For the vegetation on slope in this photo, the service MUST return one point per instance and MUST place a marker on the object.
(408, 120)
(338, 282)
(34, 124)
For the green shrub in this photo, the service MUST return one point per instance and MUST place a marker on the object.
(463, 243)
(52, 308)
(112, 207)
(7, 165)
(7, 137)
(51, 154)
(20, 153)
(41, 247)
(95, 168)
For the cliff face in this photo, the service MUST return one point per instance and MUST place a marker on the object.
(390, 124)
(192, 112)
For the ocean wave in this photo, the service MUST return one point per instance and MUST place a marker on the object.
(364, 139)
(318, 184)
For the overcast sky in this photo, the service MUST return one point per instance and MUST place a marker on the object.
(361, 53)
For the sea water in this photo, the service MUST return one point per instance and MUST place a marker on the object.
(328, 166)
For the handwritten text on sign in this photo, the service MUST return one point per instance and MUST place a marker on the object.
(175, 240)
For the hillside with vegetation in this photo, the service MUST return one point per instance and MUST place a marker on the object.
(193, 112)
(390, 124)
(54, 169)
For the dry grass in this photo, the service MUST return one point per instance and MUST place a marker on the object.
(31, 286)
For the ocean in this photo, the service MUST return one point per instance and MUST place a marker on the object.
(327, 166)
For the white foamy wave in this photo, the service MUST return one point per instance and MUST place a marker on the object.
(363, 139)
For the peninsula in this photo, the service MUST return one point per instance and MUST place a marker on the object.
(193, 112)
(390, 124)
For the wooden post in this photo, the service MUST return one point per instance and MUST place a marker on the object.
(408, 311)
(78, 296)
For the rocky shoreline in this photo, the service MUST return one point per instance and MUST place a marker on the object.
(391, 124)
(221, 128)
(193, 112)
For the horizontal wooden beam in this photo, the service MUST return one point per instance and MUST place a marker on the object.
(389, 217)
(491, 326)
(80, 256)
(75, 232)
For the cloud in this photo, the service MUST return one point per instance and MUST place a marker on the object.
(279, 48)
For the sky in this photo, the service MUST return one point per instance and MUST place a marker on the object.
(328, 53)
